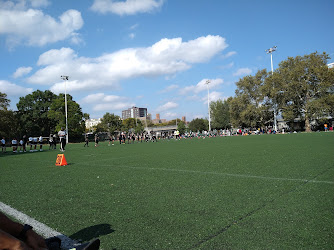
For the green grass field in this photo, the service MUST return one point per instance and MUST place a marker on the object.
(253, 192)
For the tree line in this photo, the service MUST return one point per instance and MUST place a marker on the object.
(302, 87)
(41, 113)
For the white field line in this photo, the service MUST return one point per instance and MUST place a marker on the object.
(223, 174)
(207, 172)
(39, 227)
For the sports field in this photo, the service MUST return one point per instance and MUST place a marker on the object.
(251, 192)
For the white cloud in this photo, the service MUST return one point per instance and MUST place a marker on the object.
(169, 88)
(229, 54)
(111, 106)
(242, 71)
(22, 71)
(214, 96)
(17, 5)
(39, 3)
(201, 86)
(12, 89)
(132, 35)
(134, 26)
(166, 57)
(169, 115)
(227, 66)
(34, 28)
(193, 98)
(128, 7)
(102, 102)
(167, 106)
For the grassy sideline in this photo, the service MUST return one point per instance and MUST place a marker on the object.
(264, 192)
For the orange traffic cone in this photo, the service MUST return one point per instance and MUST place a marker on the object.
(61, 161)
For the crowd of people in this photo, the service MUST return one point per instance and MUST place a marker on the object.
(34, 144)
(130, 138)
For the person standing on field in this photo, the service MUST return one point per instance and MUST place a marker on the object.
(96, 140)
(3, 145)
(54, 141)
(62, 138)
(14, 145)
(86, 140)
(40, 142)
(25, 140)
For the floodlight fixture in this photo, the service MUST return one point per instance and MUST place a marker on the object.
(271, 50)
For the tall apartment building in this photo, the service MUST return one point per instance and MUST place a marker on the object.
(134, 112)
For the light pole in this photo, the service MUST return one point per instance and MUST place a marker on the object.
(270, 51)
(65, 78)
(207, 84)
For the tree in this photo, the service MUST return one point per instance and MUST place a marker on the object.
(33, 112)
(181, 127)
(132, 124)
(174, 122)
(110, 123)
(250, 107)
(8, 120)
(75, 117)
(306, 88)
(220, 114)
(8, 124)
(4, 102)
(198, 124)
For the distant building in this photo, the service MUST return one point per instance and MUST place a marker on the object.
(184, 119)
(157, 119)
(92, 122)
(134, 112)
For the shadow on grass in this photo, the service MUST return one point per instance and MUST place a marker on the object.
(92, 232)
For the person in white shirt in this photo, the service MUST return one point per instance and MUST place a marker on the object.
(62, 135)
(51, 141)
(21, 145)
(40, 142)
(14, 145)
(3, 145)
(30, 143)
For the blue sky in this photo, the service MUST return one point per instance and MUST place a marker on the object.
(152, 53)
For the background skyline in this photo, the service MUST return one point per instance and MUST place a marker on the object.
(155, 54)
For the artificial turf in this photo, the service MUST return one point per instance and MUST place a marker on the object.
(252, 192)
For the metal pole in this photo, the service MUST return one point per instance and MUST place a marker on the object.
(270, 51)
(65, 78)
(272, 67)
(272, 73)
(207, 84)
(66, 113)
